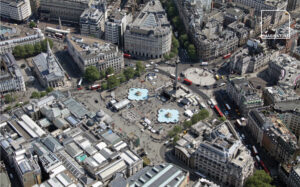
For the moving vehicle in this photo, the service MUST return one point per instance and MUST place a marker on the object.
(227, 106)
(218, 111)
(95, 87)
(127, 55)
(58, 35)
(187, 82)
(255, 152)
(79, 84)
(204, 64)
(257, 158)
(227, 56)
(238, 122)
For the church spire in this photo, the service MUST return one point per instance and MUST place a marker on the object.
(49, 52)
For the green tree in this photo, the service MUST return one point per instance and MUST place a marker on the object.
(7, 109)
(35, 95)
(186, 44)
(167, 57)
(129, 73)
(171, 55)
(177, 129)
(32, 24)
(175, 42)
(140, 67)
(183, 38)
(122, 78)
(223, 118)
(110, 71)
(17, 51)
(8, 98)
(259, 179)
(44, 44)
(49, 89)
(37, 48)
(42, 94)
(187, 124)
(113, 82)
(104, 86)
(175, 139)
(176, 22)
(29, 50)
(102, 74)
(192, 51)
(172, 12)
(91, 74)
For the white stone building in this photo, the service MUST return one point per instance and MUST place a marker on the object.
(87, 51)
(150, 35)
(115, 26)
(92, 22)
(18, 10)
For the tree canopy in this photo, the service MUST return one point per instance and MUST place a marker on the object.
(113, 82)
(129, 73)
(259, 179)
(91, 74)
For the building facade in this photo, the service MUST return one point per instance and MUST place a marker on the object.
(115, 27)
(11, 78)
(290, 115)
(150, 35)
(88, 51)
(48, 70)
(271, 133)
(243, 95)
(19, 10)
(216, 152)
(66, 10)
(92, 22)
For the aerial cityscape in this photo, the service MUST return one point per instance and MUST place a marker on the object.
(150, 93)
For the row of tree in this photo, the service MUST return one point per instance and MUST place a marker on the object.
(36, 95)
(173, 15)
(113, 80)
(29, 50)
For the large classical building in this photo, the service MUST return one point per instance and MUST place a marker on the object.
(150, 34)
(243, 94)
(271, 133)
(87, 51)
(11, 78)
(92, 22)
(11, 40)
(18, 10)
(115, 26)
(214, 41)
(48, 70)
(67, 10)
(216, 152)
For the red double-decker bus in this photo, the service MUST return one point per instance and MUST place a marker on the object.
(227, 56)
(127, 55)
(187, 82)
(218, 111)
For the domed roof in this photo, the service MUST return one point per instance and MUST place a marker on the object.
(90, 122)
(100, 114)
